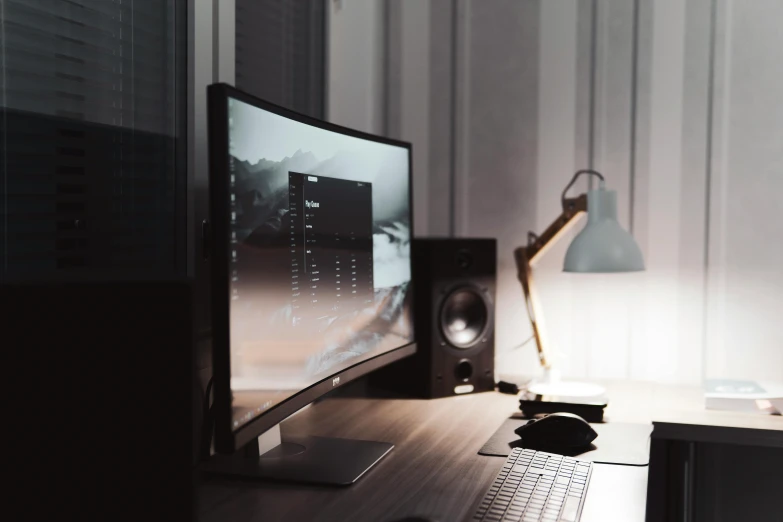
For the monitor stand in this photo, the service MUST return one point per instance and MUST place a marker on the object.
(312, 460)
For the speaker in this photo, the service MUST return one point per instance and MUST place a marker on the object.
(454, 319)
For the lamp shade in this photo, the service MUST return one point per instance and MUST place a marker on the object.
(603, 246)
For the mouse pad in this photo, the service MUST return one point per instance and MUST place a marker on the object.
(616, 443)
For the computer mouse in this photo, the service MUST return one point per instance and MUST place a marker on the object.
(557, 430)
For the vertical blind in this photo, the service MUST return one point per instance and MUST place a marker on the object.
(91, 95)
(280, 52)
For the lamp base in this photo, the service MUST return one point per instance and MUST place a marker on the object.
(550, 384)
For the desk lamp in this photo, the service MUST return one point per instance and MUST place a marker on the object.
(601, 247)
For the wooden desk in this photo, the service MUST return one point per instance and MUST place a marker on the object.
(633, 401)
(434, 469)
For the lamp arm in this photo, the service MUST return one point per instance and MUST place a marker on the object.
(531, 301)
(536, 247)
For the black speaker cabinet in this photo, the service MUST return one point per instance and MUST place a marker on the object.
(454, 307)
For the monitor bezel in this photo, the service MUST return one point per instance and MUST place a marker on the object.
(228, 440)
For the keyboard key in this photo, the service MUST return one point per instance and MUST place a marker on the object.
(541, 471)
(535, 486)
(570, 509)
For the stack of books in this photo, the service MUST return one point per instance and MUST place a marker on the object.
(750, 396)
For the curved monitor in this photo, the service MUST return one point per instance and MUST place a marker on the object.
(311, 267)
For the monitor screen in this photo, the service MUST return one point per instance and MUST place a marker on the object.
(319, 264)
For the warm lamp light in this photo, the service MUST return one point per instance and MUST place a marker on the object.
(601, 247)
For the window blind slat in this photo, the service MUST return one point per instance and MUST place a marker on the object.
(90, 135)
(280, 52)
(99, 15)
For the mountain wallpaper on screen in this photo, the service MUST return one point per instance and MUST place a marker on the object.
(276, 347)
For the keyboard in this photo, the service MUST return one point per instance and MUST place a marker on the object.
(536, 486)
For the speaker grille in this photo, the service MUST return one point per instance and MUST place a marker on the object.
(464, 317)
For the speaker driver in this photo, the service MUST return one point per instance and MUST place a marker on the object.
(464, 317)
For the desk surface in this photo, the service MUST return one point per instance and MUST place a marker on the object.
(632, 401)
(678, 413)
(434, 469)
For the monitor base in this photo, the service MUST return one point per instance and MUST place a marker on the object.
(311, 460)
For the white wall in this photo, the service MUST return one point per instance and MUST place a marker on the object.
(681, 141)
(497, 154)
(745, 286)
(356, 64)
(381, 81)
(708, 302)
(677, 103)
